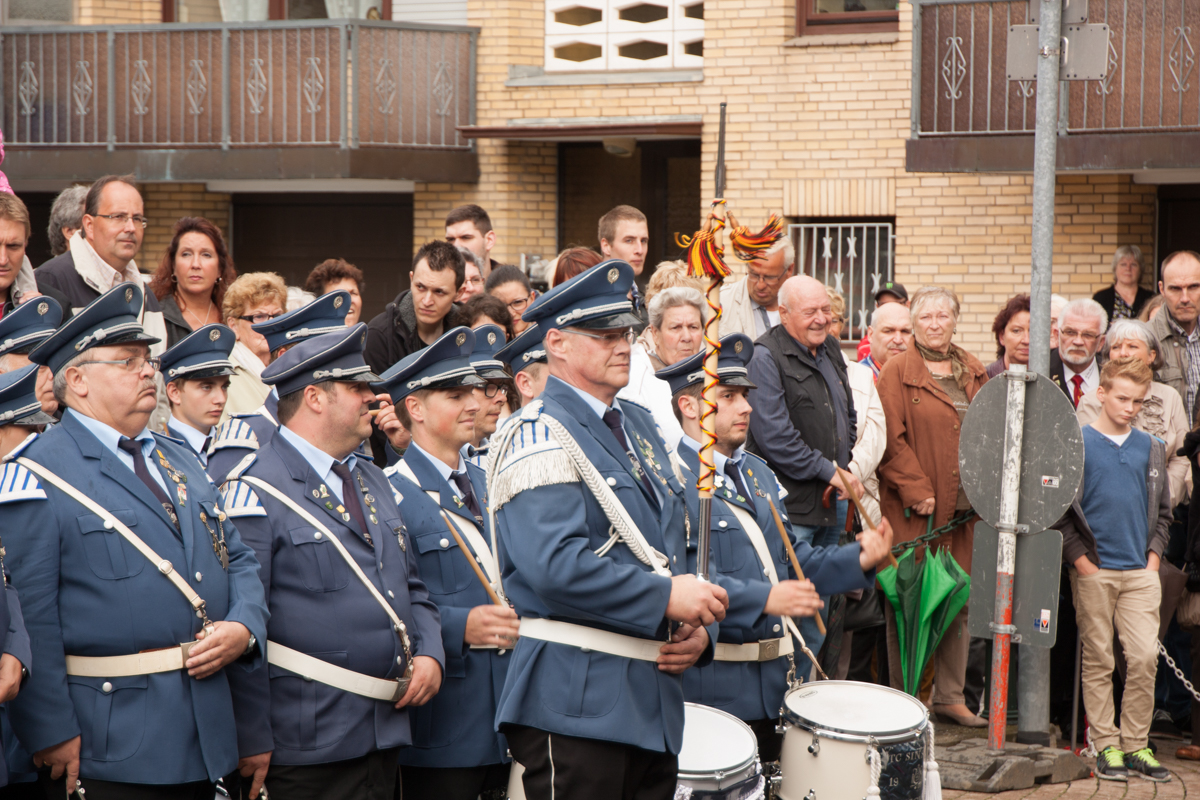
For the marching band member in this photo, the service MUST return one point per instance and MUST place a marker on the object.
(140, 597)
(21, 330)
(197, 371)
(749, 673)
(593, 703)
(243, 434)
(525, 357)
(456, 752)
(492, 396)
(354, 640)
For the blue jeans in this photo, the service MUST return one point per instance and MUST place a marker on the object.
(817, 536)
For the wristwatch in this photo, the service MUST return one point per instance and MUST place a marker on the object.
(253, 643)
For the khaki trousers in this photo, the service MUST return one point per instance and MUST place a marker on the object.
(1131, 600)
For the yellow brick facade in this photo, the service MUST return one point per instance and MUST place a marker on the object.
(165, 203)
(117, 12)
(814, 131)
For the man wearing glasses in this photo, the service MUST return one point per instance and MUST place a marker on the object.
(511, 286)
(1081, 327)
(751, 305)
(143, 596)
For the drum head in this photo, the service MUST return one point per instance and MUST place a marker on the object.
(714, 741)
(849, 707)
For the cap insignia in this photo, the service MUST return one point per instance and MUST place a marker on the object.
(737, 347)
(43, 309)
(613, 274)
(337, 302)
(129, 295)
(213, 335)
(461, 339)
(491, 338)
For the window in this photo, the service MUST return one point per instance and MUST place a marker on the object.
(846, 16)
(36, 12)
(590, 35)
(258, 10)
(851, 257)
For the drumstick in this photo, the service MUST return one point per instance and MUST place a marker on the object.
(862, 511)
(474, 565)
(787, 543)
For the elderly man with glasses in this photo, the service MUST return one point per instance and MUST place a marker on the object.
(751, 305)
(1081, 327)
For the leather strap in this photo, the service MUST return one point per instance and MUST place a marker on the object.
(762, 650)
(311, 668)
(397, 623)
(755, 534)
(170, 659)
(585, 638)
(111, 522)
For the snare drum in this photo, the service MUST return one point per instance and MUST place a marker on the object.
(719, 759)
(831, 726)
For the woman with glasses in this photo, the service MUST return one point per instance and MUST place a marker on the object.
(253, 298)
(192, 277)
(511, 286)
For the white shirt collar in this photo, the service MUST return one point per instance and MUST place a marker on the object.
(193, 437)
(442, 467)
(321, 462)
(718, 458)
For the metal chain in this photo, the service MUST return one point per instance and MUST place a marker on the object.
(1162, 651)
(930, 535)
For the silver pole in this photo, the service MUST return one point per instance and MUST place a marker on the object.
(1033, 676)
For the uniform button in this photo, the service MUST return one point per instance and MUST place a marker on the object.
(444, 543)
(199, 577)
(766, 571)
(722, 524)
(391, 594)
(108, 524)
(956, 426)
(381, 565)
(106, 687)
(316, 534)
(776, 629)
(954, 472)
(612, 481)
(674, 559)
(399, 659)
(585, 649)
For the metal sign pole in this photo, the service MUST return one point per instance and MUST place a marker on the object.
(1033, 678)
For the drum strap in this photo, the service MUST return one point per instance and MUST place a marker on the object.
(755, 534)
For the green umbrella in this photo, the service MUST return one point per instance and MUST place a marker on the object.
(926, 596)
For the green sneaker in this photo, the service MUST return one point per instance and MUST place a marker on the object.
(1146, 765)
(1110, 765)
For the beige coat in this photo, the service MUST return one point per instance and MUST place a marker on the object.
(872, 434)
(737, 315)
(1163, 416)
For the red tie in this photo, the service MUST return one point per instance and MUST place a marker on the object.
(1078, 381)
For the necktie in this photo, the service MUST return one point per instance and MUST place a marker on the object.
(764, 319)
(468, 494)
(735, 476)
(1078, 381)
(350, 497)
(204, 447)
(139, 468)
(612, 418)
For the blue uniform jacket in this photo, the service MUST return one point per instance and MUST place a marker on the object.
(14, 760)
(238, 437)
(752, 690)
(549, 526)
(319, 607)
(86, 591)
(456, 728)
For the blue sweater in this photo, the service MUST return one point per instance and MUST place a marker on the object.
(1114, 497)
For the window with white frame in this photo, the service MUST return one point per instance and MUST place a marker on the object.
(852, 257)
(590, 35)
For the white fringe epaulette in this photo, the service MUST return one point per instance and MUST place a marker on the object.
(18, 484)
(234, 432)
(530, 460)
(239, 500)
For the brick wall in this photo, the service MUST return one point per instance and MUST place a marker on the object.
(165, 203)
(117, 12)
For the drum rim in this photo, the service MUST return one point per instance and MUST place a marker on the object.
(841, 734)
(752, 764)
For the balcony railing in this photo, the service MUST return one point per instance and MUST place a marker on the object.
(960, 85)
(345, 84)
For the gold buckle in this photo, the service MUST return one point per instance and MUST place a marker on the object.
(768, 650)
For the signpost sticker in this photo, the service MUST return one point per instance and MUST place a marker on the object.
(1050, 481)
(1043, 624)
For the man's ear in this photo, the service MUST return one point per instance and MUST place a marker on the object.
(415, 408)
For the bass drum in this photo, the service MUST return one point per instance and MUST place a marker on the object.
(831, 727)
(719, 759)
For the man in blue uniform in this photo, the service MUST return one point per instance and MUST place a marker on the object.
(197, 371)
(593, 553)
(140, 597)
(243, 434)
(354, 639)
(526, 360)
(749, 674)
(21, 330)
(492, 395)
(456, 752)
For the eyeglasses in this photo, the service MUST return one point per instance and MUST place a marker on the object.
(1072, 334)
(756, 278)
(260, 317)
(123, 219)
(522, 303)
(133, 363)
(611, 339)
(493, 389)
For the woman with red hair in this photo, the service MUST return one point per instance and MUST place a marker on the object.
(192, 277)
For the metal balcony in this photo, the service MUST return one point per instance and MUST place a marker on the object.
(967, 115)
(308, 98)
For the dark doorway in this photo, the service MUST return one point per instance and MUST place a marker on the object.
(1178, 219)
(662, 179)
(292, 233)
(38, 204)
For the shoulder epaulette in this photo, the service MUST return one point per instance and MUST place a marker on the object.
(532, 458)
(169, 438)
(16, 451)
(239, 500)
(18, 484)
(234, 432)
(241, 467)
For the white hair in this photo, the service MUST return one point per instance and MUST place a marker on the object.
(875, 313)
(1084, 307)
(1057, 301)
(672, 298)
(60, 377)
(1128, 251)
(1123, 329)
(783, 243)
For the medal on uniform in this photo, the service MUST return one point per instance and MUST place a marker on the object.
(458, 501)
(374, 520)
(181, 493)
(329, 504)
(220, 548)
(316, 494)
(324, 491)
(757, 491)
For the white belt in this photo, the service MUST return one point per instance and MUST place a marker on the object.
(150, 662)
(585, 638)
(764, 650)
(320, 671)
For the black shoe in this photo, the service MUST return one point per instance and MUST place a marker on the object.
(1146, 766)
(1110, 765)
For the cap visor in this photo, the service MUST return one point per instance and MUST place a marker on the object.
(140, 337)
(369, 377)
(36, 418)
(492, 372)
(625, 319)
(200, 374)
(738, 380)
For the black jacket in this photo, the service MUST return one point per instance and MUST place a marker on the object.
(59, 274)
(1108, 299)
(177, 327)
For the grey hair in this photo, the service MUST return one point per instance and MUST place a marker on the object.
(468, 256)
(1084, 307)
(1057, 300)
(672, 298)
(1127, 251)
(1123, 329)
(60, 377)
(875, 313)
(67, 212)
(934, 294)
(783, 243)
(4, 363)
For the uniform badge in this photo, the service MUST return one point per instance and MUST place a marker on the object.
(461, 339)
(324, 491)
(737, 346)
(213, 335)
(316, 494)
(345, 517)
(129, 295)
(43, 309)
(613, 274)
(181, 493)
(374, 520)
(337, 302)
(491, 338)
(220, 548)
(329, 505)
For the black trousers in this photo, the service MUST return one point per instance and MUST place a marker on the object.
(466, 783)
(372, 777)
(108, 790)
(559, 767)
(770, 743)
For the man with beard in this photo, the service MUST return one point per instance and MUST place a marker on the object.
(1081, 327)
